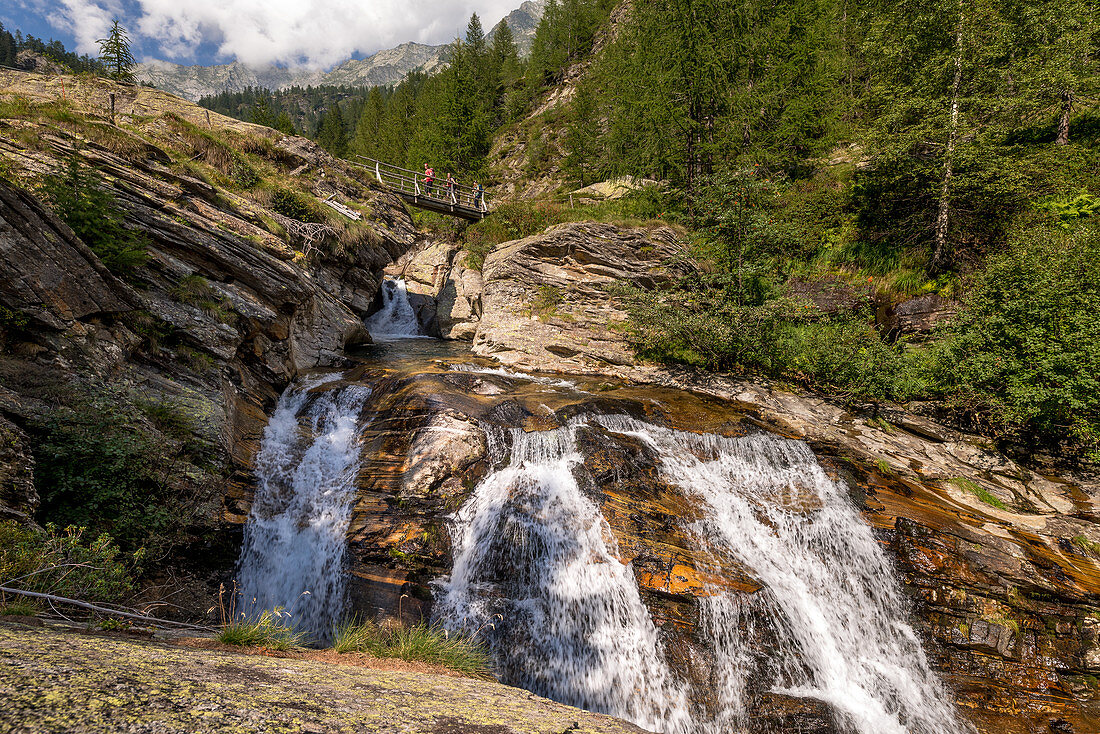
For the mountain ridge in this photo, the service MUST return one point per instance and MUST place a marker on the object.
(382, 68)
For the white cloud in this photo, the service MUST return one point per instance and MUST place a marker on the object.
(89, 21)
(316, 33)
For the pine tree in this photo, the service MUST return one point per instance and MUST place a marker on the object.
(505, 64)
(582, 136)
(261, 112)
(284, 124)
(366, 142)
(114, 54)
(332, 135)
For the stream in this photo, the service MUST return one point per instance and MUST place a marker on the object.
(588, 492)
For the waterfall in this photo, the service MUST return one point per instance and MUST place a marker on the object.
(396, 318)
(830, 593)
(294, 540)
(531, 548)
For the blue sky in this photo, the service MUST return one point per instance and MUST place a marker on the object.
(316, 33)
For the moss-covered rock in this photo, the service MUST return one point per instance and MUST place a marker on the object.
(54, 681)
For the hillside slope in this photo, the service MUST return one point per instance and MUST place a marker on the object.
(232, 292)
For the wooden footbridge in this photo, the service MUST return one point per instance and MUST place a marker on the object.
(455, 199)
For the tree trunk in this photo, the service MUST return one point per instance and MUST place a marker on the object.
(1063, 119)
(940, 250)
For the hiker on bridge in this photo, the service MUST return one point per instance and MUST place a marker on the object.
(451, 187)
(429, 179)
(479, 195)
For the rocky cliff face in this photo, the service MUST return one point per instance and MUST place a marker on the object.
(235, 298)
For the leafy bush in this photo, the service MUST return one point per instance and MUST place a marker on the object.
(64, 562)
(418, 643)
(295, 205)
(100, 465)
(1023, 357)
(95, 218)
(777, 337)
(268, 630)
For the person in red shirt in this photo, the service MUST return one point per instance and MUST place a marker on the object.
(429, 179)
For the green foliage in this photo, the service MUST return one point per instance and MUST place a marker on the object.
(271, 629)
(115, 55)
(295, 205)
(64, 562)
(11, 322)
(546, 301)
(1023, 357)
(1082, 205)
(418, 643)
(101, 465)
(1089, 547)
(564, 34)
(79, 199)
(333, 134)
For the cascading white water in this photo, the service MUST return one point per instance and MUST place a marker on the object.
(830, 593)
(504, 372)
(532, 548)
(294, 540)
(396, 319)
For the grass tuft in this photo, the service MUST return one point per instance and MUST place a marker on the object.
(980, 492)
(417, 643)
(19, 608)
(269, 630)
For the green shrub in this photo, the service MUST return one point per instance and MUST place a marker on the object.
(101, 465)
(94, 216)
(295, 205)
(268, 630)
(64, 563)
(1022, 359)
(197, 291)
(418, 643)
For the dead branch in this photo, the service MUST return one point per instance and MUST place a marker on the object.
(102, 610)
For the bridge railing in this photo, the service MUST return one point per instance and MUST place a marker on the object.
(415, 183)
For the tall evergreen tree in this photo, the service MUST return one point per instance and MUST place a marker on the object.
(366, 141)
(115, 55)
(332, 135)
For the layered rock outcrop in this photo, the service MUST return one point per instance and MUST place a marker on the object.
(548, 300)
(443, 289)
(63, 681)
(234, 298)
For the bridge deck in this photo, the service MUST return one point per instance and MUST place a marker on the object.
(456, 200)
